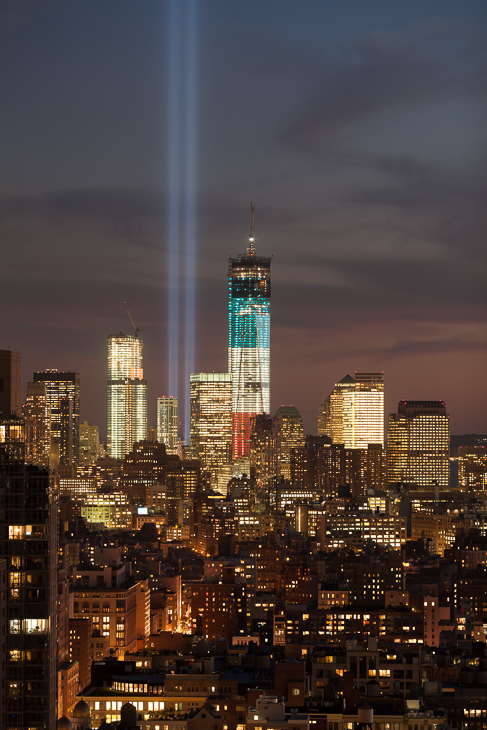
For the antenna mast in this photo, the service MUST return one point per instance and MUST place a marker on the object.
(251, 251)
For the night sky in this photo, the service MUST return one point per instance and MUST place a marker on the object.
(357, 128)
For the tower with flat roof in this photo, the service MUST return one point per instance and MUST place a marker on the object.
(211, 425)
(167, 422)
(9, 383)
(62, 396)
(418, 444)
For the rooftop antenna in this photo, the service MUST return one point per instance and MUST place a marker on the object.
(251, 251)
(137, 328)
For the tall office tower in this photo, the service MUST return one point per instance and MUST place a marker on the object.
(89, 443)
(37, 414)
(28, 542)
(210, 402)
(418, 444)
(355, 414)
(126, 395)
(9, 383)
(167, 423)
(369, 409)
(292, 436)
(249, 297)
(62, 393)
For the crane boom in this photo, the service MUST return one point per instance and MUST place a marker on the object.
(137, 328)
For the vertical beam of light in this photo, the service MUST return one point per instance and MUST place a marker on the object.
(190, 140)
(182, 155)
(174, 154)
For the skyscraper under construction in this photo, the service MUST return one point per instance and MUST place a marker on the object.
(126, 394)
(249, 296)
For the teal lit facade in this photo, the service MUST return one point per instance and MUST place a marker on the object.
(249, 298)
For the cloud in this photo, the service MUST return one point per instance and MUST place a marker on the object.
(406, 348)
(387, 72)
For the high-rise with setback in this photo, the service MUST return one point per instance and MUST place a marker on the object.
(126, 395)
(249, 297)
(353, 414)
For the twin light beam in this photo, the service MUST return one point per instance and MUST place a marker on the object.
(182, 87)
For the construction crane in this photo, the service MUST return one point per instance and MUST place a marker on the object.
(137, 328)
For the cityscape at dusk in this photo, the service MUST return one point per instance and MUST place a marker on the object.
(359, 137)
(243, 434)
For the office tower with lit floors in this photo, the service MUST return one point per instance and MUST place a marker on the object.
(210, 401)
(28, 543)
(62, 395)
(249, 296)
(167, 423)
(418, 444)
(353, 414)
(126, 395)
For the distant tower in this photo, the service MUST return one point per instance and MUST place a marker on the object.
(167, 423)
(211, 425)
(292, 436)
(324, 418)
(62, 394)
(89, 443)
(126, 395)
(265, 450)
(472, 468)
(418, 444)
(37, 414)
(249, 292)
(9, 383)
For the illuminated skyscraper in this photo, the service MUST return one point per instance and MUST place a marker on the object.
(126, 395)
(167, 423)
(418, 444)
(354, 413)
(211, 425)
(369, 409)
(249, 292)
(62, 394)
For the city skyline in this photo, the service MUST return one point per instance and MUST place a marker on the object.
(360, 140)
